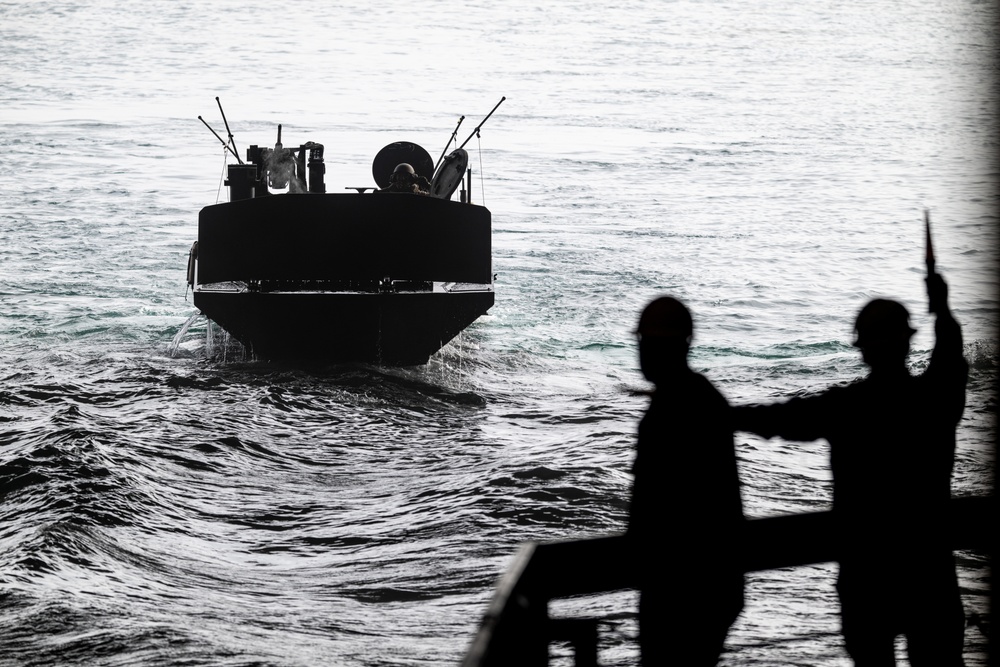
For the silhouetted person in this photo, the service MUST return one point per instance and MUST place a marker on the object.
(686, 511)
(405, 179)
(892, 446)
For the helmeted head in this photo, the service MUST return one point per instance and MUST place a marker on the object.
(665, 331)
(403, 173)
(666, 316)
(881, 321)
(883, 331)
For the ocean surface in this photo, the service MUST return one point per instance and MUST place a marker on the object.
(172, 502)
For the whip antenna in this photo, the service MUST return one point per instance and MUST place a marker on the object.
(226, 122)
(224, 144)
(476, 131)
(448, 143)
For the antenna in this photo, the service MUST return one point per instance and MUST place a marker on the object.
(226, 122)
(224, 144)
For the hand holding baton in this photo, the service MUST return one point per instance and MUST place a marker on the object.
(937, 288)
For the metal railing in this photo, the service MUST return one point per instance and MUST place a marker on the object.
(516, 629)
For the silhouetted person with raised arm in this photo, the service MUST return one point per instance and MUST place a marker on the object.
(686, 512)
(892, 446)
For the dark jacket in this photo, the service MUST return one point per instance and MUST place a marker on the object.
(892, 442)
(686, 483)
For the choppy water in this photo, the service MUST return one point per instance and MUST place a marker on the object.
(767, 162)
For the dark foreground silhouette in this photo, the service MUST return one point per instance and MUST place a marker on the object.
(686, 513)
(892, 446)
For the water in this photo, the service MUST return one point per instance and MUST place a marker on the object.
(767, 163)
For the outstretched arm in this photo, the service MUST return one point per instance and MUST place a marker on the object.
(797, 419)
(755, 419)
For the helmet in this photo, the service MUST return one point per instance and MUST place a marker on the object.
(882, 321)
(666, 317)
(403, 167)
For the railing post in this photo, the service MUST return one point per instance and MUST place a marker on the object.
(582, 634)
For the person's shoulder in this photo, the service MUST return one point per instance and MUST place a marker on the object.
(700, 380)
(702, 384)
(954, 371)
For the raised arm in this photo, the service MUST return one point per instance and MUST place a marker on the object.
(947, 332)
(948, 371)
